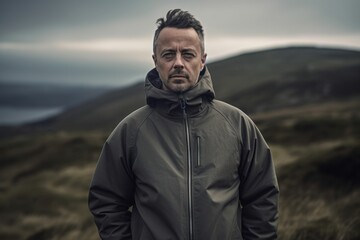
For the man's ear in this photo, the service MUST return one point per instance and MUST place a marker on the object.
(154, 59)
(203, 59)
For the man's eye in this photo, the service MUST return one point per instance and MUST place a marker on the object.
(188, 55)
(168, 55)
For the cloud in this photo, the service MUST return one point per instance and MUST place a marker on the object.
(39, 19)
(74, 41)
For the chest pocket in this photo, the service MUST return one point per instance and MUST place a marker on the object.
(215, 153)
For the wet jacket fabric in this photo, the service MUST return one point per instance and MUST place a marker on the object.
(191, 167)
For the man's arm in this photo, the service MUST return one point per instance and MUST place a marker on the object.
(111, 192)
(259, 189)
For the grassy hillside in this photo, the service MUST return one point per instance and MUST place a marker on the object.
(315, 141)
(286, 77)
(44, 178)
(254, 82)
(44, 182)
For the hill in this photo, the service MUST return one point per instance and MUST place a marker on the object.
(254, 82)
(304, 100)
(46, 95)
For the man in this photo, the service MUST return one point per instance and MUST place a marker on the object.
(191, 167)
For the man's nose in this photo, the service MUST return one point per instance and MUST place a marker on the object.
(178, 62)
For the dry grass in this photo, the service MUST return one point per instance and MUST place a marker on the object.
(319, 201)
(48, 200)
(45, 179)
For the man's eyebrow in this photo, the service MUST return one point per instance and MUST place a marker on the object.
(188, 50)
(168, 50)
(171, 50)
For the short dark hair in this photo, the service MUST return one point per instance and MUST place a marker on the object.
(178, 18)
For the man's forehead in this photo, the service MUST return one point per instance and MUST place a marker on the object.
(170, 33)
(186, 37)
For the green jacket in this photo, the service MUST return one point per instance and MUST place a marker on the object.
(190, 166)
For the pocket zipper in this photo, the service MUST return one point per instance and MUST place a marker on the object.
(198, 158)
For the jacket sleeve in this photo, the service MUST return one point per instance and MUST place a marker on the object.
(111, 191)
(259, 189)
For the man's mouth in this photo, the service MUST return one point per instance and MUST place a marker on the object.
(178, 76)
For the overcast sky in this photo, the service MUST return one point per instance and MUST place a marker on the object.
(109, 42)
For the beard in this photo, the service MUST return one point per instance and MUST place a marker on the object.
(177, 86)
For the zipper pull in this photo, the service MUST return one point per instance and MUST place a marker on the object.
(182, 104)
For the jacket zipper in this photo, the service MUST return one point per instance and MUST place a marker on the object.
(198, 160)
(189, 168)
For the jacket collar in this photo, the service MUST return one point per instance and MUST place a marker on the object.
(194, 98)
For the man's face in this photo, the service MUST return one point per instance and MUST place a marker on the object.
(178, 58)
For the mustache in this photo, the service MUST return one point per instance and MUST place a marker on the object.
(179, 72)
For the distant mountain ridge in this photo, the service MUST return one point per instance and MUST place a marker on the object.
(42, 95)
(257, 81)
(286, 76)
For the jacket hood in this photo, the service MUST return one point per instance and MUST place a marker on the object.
(156, 95)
